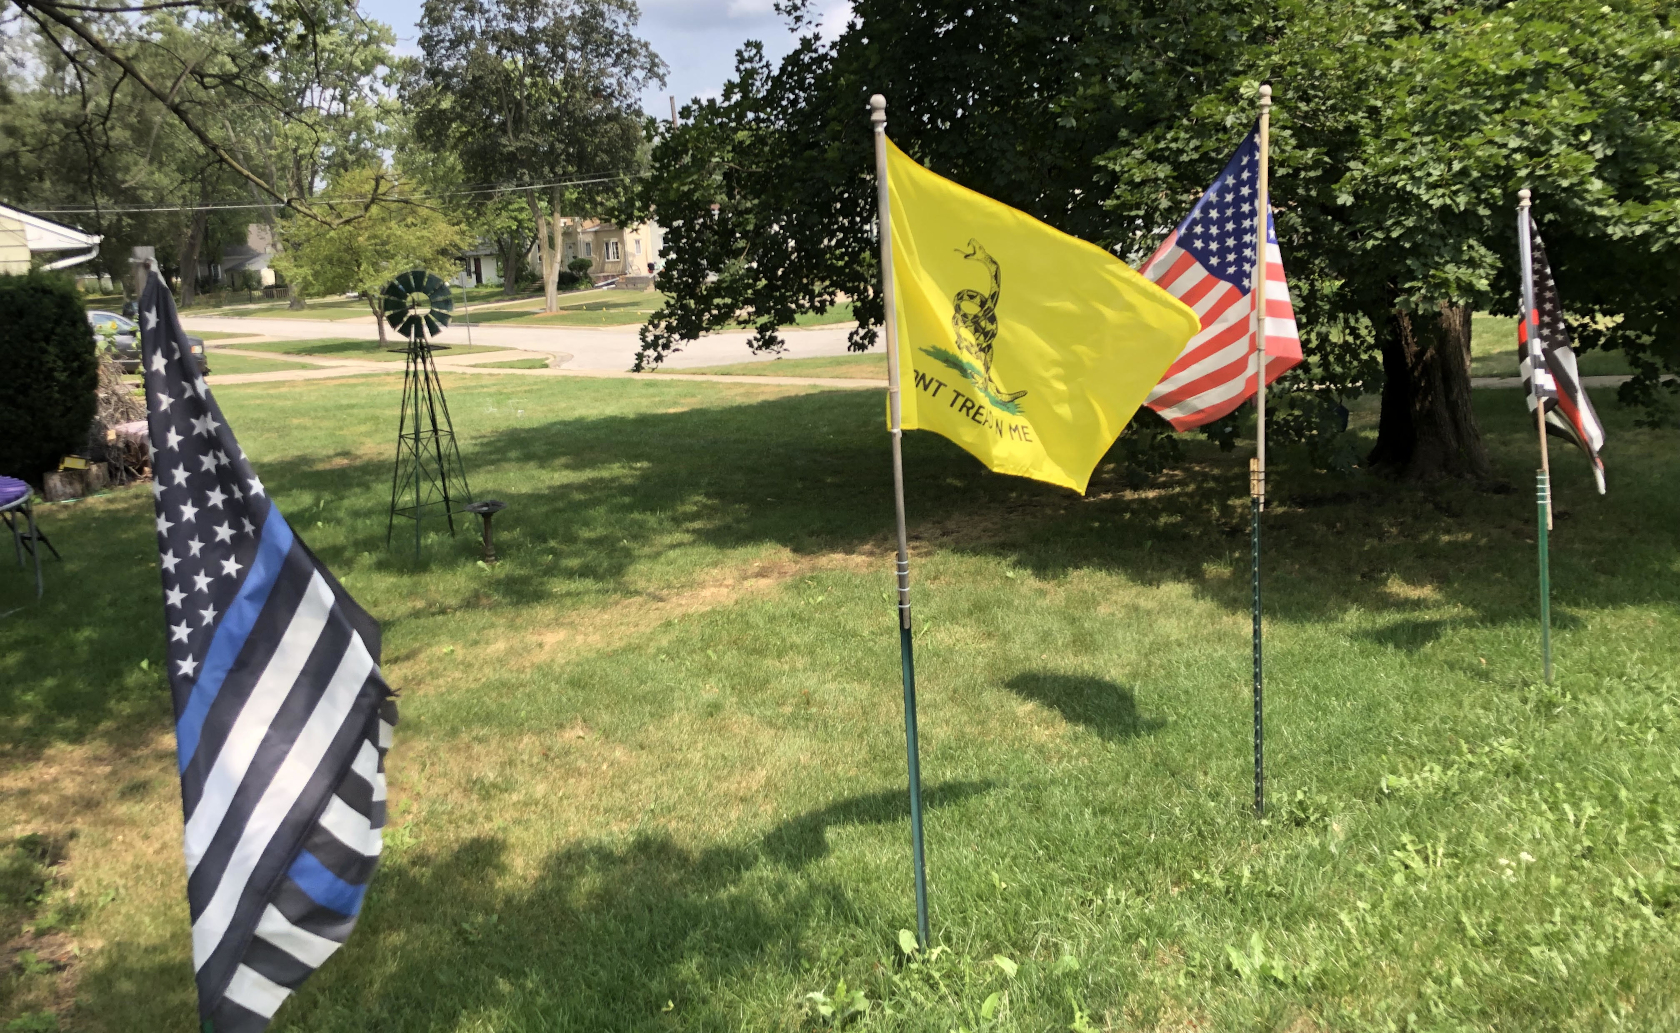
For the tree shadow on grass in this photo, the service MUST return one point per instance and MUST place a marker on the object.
(1105, 707)
(798, 841)
(601, 494)
(596, 936)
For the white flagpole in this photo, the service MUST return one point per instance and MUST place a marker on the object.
(1263, 207)
(1525, 240)
(1543, 478)
(1257, 466)
(906, 644)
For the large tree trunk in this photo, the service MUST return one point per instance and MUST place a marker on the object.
(189, 256)
(1428, 428)
(549, 252)
(512, 261)
(375, 302)
(551, 293)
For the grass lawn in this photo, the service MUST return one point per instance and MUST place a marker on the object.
(871, 365)
(224, 363)
(356, 348)
(534, 363)
(1493, 351)
(650, 771)
(216, 335)
(314, 308)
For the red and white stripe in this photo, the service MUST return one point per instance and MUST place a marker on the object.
(1215, 372)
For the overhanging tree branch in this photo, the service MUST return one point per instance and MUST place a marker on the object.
(59, 14)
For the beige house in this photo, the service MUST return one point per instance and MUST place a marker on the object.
(23, 236)
(616, 251)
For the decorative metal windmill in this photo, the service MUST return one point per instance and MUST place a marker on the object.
(429, 471)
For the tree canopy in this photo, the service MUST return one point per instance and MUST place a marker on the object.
(537, 94)
(84, 141)
(1402, 135)
(362, 255)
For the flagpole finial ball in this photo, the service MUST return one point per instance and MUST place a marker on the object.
(1266, 94)
(1523, 195)
(877, 109)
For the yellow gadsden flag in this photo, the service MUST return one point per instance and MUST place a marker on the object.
(1030, 348)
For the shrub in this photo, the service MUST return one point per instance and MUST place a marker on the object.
(51, 373)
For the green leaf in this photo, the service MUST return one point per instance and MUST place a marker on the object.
(907, 943)
(1008, 966)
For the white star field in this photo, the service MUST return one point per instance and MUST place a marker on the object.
(1219, 231)
(204, 491)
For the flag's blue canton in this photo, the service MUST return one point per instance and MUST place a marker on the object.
(1219, 231)
(281, 717)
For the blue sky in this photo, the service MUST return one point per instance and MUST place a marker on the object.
(697, 38)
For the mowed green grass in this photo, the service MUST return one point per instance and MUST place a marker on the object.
(223, 363)
(357, 348)
(650, 771)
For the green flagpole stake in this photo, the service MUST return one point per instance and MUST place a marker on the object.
(1257, 488)
(906, 648)
(906, 642)
(1543, 503)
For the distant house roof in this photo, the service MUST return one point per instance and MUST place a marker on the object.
(46, 235)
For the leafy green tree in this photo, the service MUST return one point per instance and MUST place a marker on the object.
(79, 131)
(1403, 133)
(541, 95)
(364, 254)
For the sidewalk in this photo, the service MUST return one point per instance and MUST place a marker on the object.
(327, 368)
(583, 347)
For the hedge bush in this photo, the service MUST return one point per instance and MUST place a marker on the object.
(49, 373)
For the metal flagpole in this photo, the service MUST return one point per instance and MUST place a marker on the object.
(1543, 476)
(1257, 465)
(878, 120)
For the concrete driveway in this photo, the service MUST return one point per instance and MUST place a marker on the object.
(574, 347)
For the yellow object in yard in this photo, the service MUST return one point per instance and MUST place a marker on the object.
(1030, 348)
(73, 463)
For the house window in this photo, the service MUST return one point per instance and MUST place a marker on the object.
(571, 252)
(589, 249)
(613, 254)
(638, 247)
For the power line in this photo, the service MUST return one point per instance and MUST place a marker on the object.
(107, 210)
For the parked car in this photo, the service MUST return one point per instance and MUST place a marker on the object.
(127, 343)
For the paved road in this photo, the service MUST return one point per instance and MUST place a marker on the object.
(324, 368)
(573, 347)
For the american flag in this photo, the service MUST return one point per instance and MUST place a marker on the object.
(281, 717)
(1549, 372)
(1208, 263)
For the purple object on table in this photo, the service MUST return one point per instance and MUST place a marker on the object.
(11, 491)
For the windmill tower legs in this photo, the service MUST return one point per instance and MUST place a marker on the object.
(428, 471)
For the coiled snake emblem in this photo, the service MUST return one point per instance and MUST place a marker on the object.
(975, 322)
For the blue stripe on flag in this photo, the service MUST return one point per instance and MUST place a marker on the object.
(231, 633)
(325, 888)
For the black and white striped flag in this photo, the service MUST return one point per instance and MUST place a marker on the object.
(1550, 375)
(281, 717)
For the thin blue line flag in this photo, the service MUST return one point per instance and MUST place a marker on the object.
(282, 719)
